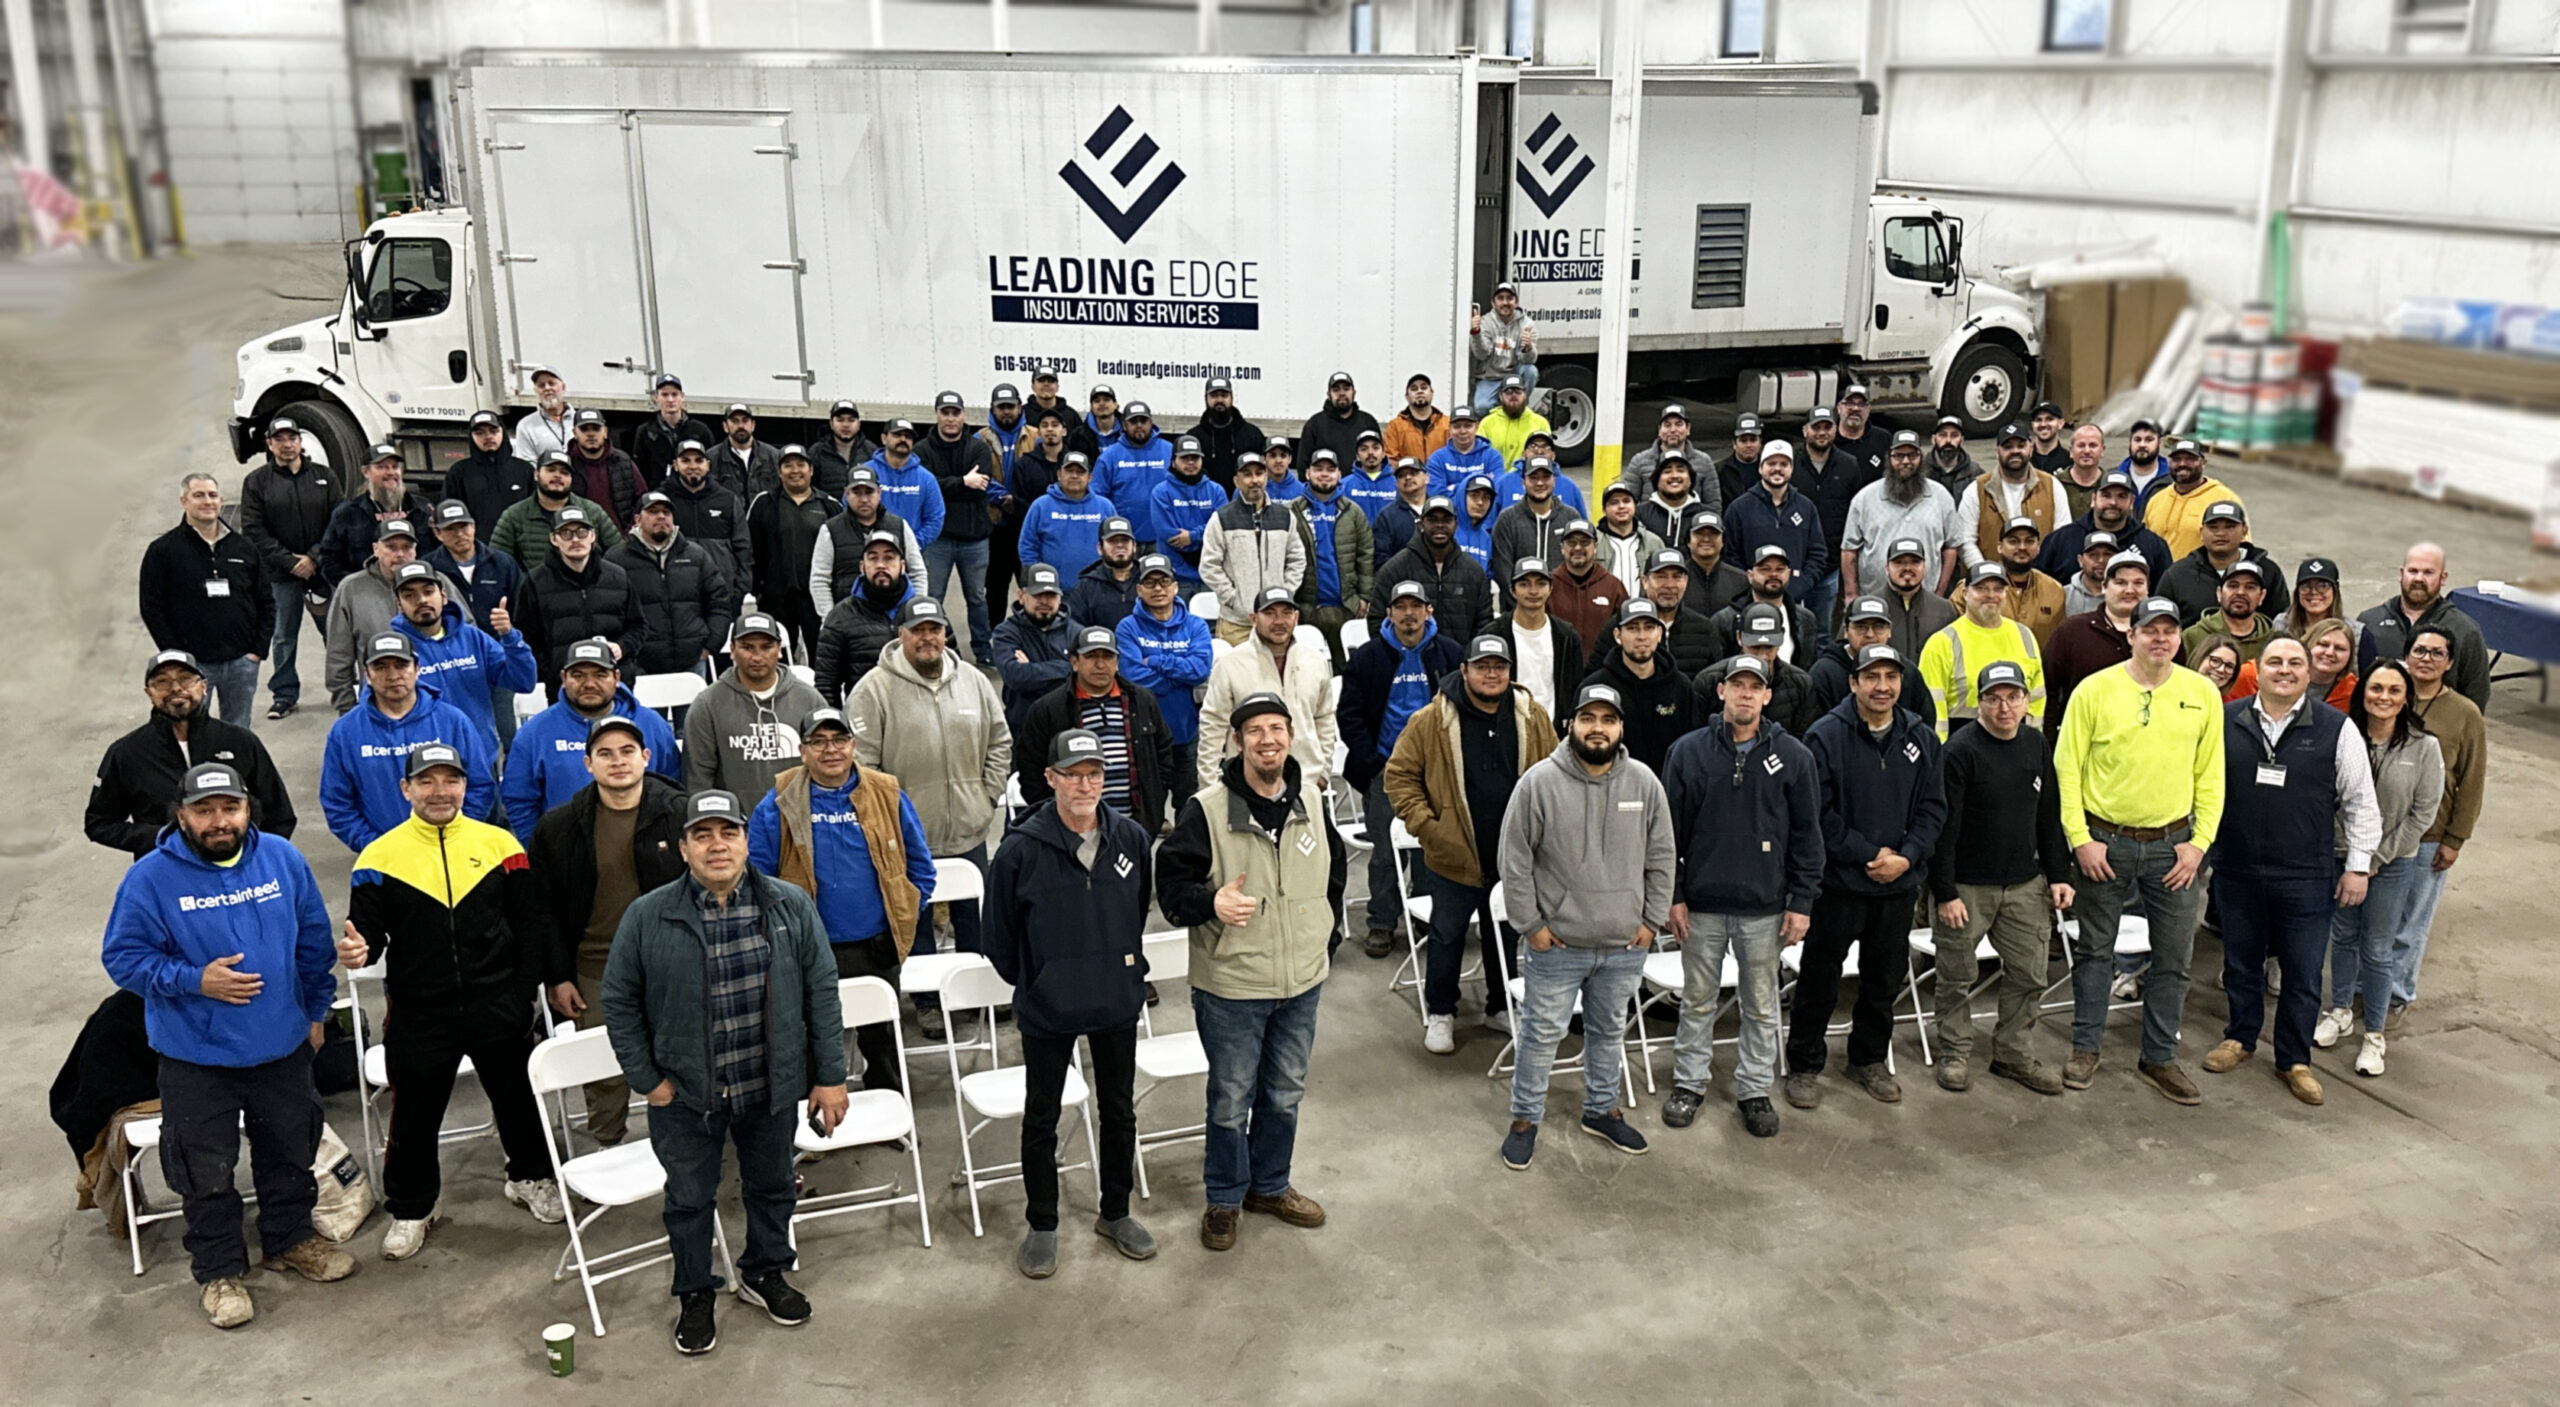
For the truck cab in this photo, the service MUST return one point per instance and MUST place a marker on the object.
(1928, 333)
(395, 356)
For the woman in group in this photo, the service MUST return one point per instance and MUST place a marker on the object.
(2408, 784)
(2332, 648)
(2315, 598)
(2217, 657)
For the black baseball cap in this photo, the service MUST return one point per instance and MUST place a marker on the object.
(1988, 569)
(572, 516)
(1488, 647)
(595, 650)
(1438, 503)
(585, 419)
(1339, 378)
(165, 658)
(2116, 479)
(825, 718)
(551, 457)
(211, 779)
(613, 723)
(665, 379)
(1136, 410)
(863, 476)
(1218, 383)
(2099, 539)
(715, 807)
(1579, 527)
(1767, 550)
(414, 571)
(1761, 624)
(478, 419)
(1746, 425)
(1186, 448)
(1116, 527)
(395, 527)
(1530, 566)
(1467, 413)
(1601, 694)
(2000, 674)
(1752, 665)
(901, 427)
(1074, 747)
(1040, 578)
(1281, 443)
(1672, 412)
(1271, 596)
(383, 451)
(1669, 456)
(2156, 608)
(2046, 408)
(2248, 565)
(1636, 608)
(882, 537)
(2316, 569)
(1869, 608)
(1706, 518)
(844, 408)
(390, 645)
(2011, 431)
(1096, 640)
(1902, 547)
(1253, 706)
(737, 408)
(1821, 413)
(1875, 655)
(1368, 434)
(1906, 439)
(1005, 393)
(1153, 563)
(1409, 590)
(922, 610)
(789, 452)
(757, 623)
(1410, 463)
(428, 757)
(451, 512)
(2226, 511)
(2021, 523)
(1665, 560)
(655, 499)
(948, 400)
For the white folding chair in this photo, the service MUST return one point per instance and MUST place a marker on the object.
(1355, 633)
(921, 975)
(1666, 981)
(607, 1178)
(1217, 650)
(667, 692)
(373, 1070)
(1417, 912)
(2133, 939)
(870, 1116)
(141, 1136)
(805, 674)
(1517, 987)
(1175, 1055)
(1307, 636)
(527, 705)
(1015, 805)
(1204, 604)
(997, 1092)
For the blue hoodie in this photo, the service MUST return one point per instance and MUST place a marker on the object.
(1449, 469)
(1288, 490)
(495, 577)
(848, 886)
(913, 494)
(1373, 495)
(548, 762)
(1169, 659)
(1475, 535)
(1410, 689)
(367, 755)
(1509, 490)
(466, 664)
(1128, 473)
(176, 912)
(1065, 532)
(1102, 439)
(1320, 513)
(1186, 506)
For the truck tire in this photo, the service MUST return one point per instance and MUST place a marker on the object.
(342, 443)
(1568, 397)
(1987, 389)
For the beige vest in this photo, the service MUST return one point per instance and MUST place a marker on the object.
(1285, 948)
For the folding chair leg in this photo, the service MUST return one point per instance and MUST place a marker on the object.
(720, 1239)
(132, 1224)
(1919, 1017)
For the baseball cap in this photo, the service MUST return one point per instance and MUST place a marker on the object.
(1479, 481)
(282, 426)
(2000, 674)
(212, 779)
(1040, 578)
(1136, 410)
(1510, 383)
(1906, 437)
(1467, 413)
(2098, 539)
(901, 427)
(1249, 460)
(1761, 625)
(1669, 456)
(1752, 665)
(1488, 647)
(1673, 411)
(1281, 443)
(2021, 521)
(380, 452)
(1854, 388)
(413, 571)
(719, 807)
(2046, 408)
(2143, 423)
(757, 623)
(541, 370)
(2316, 569)
(551, 457)
(593, 650)
(1778, 449)
(1438, 503)
(1530, 566)
(1074, 746)
(1096, 640)
(390, 645)
(1767, 550)
(1271, 596)
(1877, 654)
(1988, 569)
(1368, 434)
(1186, 448)
(2225, 511)
(825, 718)
(451, 512)
(396, 527)
(427, 757)
(655, 499)
(1602, 694)
(616, 723)
(685, 447)
(478, 419)
(1636, 608)
(1116, 527)
(585, 419)
(2246, 565)
(1422, 376)
(2156, 608)
(1253, 706)
(1339, 378)
(2186, 447)
(665, 379)
(1745, 425)
(1902, 547)
(1153, 563)
(2128, 558)
(1667, 559)
(1869, 608)
(921, 610)
(1076, 459)
(863, 476)
(2117, 479)
(1821, 413)
(1578, 528)
(179, 658)
(739, 408)
(1506, 286)
(1323, 456)
(1537, 464)
(844, 408)
(1705, 518)
(2011, 431)
(1617, 486)
(1946, 421)
(1005, 393)
(1218, 383)
(789, 452)
(1409, 589)
(1409, 463)
(572, 516)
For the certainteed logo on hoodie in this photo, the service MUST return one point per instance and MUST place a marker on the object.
(254, 894)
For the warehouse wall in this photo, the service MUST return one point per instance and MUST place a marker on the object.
(258, 117)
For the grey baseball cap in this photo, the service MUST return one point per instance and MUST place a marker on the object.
(212, 779)
(428, 757)
(1074, 747)
(713, 808)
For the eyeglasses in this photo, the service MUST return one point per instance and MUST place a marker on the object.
(2428, 652)
(833, 742)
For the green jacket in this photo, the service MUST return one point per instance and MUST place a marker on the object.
(524, 531)
(658, 1009)
(1354, 556)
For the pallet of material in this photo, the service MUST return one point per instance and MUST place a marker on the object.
(2481, 455)
(2454, 373)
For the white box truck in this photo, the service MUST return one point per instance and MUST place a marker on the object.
(784, 229)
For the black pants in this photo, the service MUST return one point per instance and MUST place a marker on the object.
(202, 1108)
(799, 618)
(689, 1143)
(422, 1051)
(873, 957)
(1880, 925)
(1115, 1072)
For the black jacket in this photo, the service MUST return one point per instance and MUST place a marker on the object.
(561, 608)
(2386, 636)
(1792, 700)
(1877, 793)
(2060, 556)
(1368, 676)
(1736, 478)
(832, 471)
(1569, 663)
(845, 537)
(1690, 642)
(1080, 436)
(1045, 667)
(652, 445)
(564, 864)
(1750, 836)
(1710, 592)
(712, 518)
(781, 535)
(684, 599)
(287, 515)
(1830, 678)
(966, 515)
(1660, 710)
(620, 489)
(1220, 443)
(1071, 940)
(138, 780)
(1336, 430)
(1100, 600)
(457, 911)
(1151, 757)
(490, 483)
(184, 609)
(1461, 594)
(1727, 625)
(1842, 475)
(849, 642)
(347, 545)
(2196, 584)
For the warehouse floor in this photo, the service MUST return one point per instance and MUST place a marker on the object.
(1994, 1246)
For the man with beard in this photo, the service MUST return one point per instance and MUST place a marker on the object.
(2086, 643)
(1952, 662)
(2112, 510)
(545, 429)
(362, 765)
(1223, 433)
(1672, 500)
(354, 524)
(1591, 896)
(835, 556)
(490, 578)
(1417, 431)
(1529, 528)
(745, 729)
(2175, 507)
(579, 595)
(1760, 634)
(1005, 435)
(1950, 466)
(2142, 455)
(1510, 424)
(2035, 600)
(1107, 588)
(1671, 439)
(2081, 476)
(2195, 580)
(1917, 611)
(468, 666)
(2390, 628)
(1657, 707)
(1860, 434)
(1032, 646)
(285, 506)
(144, 772)
(2242, 615)
(907, 485)
(1904, 503)
(784, 526)
(1338, 424)
(2050, 454)
(841, 450)
(1714, 583)
(851, 637)
(1689, 636)
(2017, 489)
(1461, 593)
(234, 991)
(1828, 479)
(686, 601)
(364, 606)
(712, 517)
(489, 476)
(1740, 469)
(606, 475)
(548, 763)
(1773, 513)
(524, 530)
(653, 443)
(1393, 527)
(1793, 624)
(973, 495)
(744, 464)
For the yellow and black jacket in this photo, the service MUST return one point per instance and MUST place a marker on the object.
(454, 906)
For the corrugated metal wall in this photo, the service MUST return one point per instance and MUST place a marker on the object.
(259, 118)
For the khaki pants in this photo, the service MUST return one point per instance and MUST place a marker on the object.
(2019, 918)
(1234, 632)
(608, 1101)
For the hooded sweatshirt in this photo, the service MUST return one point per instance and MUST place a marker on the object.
(848, 896)
(1185, 505)
(363, 606)
(736, 742)
(1100, 598)
(912, 493)
(548, 761)
(1749, 820)
(1409, 688)
(1067, 936)
(1128, 473)
(176, 912)
(464, 664)
(1588, 858)
(1878, 792)
(943, 738)
(1450, 466)
(368, 753)
(1044, 665)
(1170, 659)
(1065, 532)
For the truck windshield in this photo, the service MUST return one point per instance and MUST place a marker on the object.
(1914, 249)
(410, 278)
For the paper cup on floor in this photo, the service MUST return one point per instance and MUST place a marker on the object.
(560, 1343)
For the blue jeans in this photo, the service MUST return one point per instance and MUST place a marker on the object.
(1821, 598)
(235, 689)
(688, 1144)
(1754, 941)
(1445, 955)
(1605, 979)
(940, 556)
(502, 710)
(1486, 386)
(1258, 1052)
(2142, 872)
(1386, 905)
(2284, 916)
(2410, 948)
(2363, 939)
(283, 683)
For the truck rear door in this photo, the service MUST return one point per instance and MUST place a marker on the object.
(565, 245)
(725, 284)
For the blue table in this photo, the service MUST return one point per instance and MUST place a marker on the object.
(2514, 628)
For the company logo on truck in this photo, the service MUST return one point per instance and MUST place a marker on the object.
(1553, 147)
(1121, 221)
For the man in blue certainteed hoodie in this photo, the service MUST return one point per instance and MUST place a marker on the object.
(907, 485)
(222, 932)
(548, 763)
(1185, 501)
(1164, 649)
(368, 748)
(463, 663)
(1128, 472)
(1064, 525)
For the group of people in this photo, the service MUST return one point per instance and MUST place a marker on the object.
(1799, 706)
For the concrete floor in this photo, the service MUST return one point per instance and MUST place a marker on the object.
(1995, 1246)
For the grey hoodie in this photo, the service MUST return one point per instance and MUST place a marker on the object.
(360, 608)
(944, 739)
(737, 743)
(1588, 857)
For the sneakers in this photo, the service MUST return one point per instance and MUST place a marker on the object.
(2334, 1025)
(405, 1238)
(1499, 1021)
(2369, 1059)
(1955, 1075)
(2035, 1075)
(773, 1294)
(1438, 1037)
(1218, 1227)
(1878, 1081)
(1038, 1258)
(2304, 1084)
(281, 708)
(540, 1196)
(2126, 988)
(1127, 1237)
(929, 1021)
(1613, 1129)
(2172, 1082)
(226, 1302)
(1292, 1206)
(1803, 1089)
(1681, 1109)
(1759, 1116)
(2399, 1011)
(314, 1258)
(2081, 1071)
(1519, 1146)
(696, 1333)
(2226, 1057)
(1378, 942)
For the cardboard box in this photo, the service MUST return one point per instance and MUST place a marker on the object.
(2144, 309)
(2078, 328)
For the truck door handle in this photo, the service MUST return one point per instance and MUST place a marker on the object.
(1884, 314)
(630, 364)
(506, 258)
(458, 363)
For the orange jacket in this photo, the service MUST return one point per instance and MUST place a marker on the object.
(1406, 440)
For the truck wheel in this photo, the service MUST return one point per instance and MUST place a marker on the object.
(1567, 396)
(1987, 389)
(341, 444)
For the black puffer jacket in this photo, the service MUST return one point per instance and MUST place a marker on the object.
(564, 864)
(561, 607)
(712, 518)
(966, 516)
(286, 515)
(1461, 594)
(849, 640)
(686, 601)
